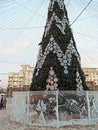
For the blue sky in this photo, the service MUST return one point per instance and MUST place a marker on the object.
(22, 26)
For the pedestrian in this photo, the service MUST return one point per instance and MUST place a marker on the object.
(1, 102)
(4, 102)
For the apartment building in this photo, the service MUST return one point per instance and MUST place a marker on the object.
(91, 75)
(21, 80)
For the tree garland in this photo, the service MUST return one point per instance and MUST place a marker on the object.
(64, 58)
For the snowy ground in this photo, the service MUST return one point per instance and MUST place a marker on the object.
(6, 124)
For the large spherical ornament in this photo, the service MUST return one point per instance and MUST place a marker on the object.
(51, 87)
(48, 48)
(68, 64)
(58, 48)
(77, 74)
(48, 80)
(52, 82)
(59, 58)
(51, 39)
(36, 74)
(62, 64)
(55, 79)
(51, 45)
(55, 48)
(65, 71)
(64, 61)
(51, 72)
(54, 76)
(54, 43)
(51, 49)
(59, 54)
(51, 68)
(37, 67)
(65, 67)
(40, 66)
(48, 86)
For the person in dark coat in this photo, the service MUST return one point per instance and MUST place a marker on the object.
(1, 103)
(4, 102)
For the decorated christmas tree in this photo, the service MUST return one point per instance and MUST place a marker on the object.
(58, 65)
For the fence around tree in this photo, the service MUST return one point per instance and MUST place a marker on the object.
(55, 108)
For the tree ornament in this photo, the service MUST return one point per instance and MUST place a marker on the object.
(65, 71)
(79, 82)
(51, 79)
(55, 79)
(48, 80)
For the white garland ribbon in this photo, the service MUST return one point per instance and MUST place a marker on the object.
(64, 58)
